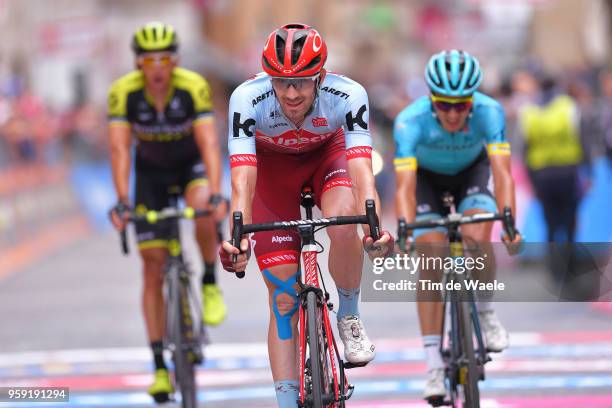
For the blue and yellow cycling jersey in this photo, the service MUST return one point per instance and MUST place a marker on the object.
(420, 138)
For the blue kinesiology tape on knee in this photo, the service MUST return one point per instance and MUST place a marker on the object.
(349, 302)
(287, 393)
(283, 321)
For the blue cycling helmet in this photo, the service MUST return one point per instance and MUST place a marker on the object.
(453, 73)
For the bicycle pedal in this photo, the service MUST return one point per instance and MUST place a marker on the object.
(349, 365)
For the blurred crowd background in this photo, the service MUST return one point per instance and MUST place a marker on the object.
(58, 58)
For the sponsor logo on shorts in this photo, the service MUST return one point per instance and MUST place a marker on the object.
(280, 239)
(337, 182)
(331, 173)
(277, 258)
(423, 208)
(145, 236)
(472, 190)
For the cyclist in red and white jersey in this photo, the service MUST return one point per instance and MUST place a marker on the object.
(296, 125)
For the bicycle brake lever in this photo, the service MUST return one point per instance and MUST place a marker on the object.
(402, 233)
(124, 243)
(373, 222)
(236, 235)
(509, 223)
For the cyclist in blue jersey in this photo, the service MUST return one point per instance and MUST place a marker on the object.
(456, 135)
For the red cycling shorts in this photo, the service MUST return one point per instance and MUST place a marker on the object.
(280, 178)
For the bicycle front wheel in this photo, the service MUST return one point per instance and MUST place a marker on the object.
(469, 371)
(179, 324)
(322, 389)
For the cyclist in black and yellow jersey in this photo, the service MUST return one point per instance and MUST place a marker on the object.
(166, 112)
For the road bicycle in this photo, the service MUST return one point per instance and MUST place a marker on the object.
(185, 332)
(463, 349)
(323, 382)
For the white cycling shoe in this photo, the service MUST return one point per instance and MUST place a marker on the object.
(495, 336)
(358, 349)
(435, 386)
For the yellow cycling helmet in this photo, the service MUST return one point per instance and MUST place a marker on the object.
(155, 36)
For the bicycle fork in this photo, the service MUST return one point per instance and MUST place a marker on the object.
(310, 278)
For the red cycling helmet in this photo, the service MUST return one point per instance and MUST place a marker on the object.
(294, 50)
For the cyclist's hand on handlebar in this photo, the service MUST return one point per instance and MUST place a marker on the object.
(227, 251)
(513, 247)
(381, 248)
(119, 215)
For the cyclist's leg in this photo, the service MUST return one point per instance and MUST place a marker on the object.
(476, 197)
(153, 260)
(277, 254)
(431, 245)
(196, 196)
(279, 182)
(333, 192)
(335, 198)
(152, 243)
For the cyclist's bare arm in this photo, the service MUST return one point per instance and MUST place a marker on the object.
(120, 143)
(405, 194)
(364, 186)
(120, 137)
(243, 191)
(504, 184)
(208, 143)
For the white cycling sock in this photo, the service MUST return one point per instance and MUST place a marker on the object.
(432, 351)
(287, 393)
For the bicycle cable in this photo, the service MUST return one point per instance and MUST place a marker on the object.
(325, 292)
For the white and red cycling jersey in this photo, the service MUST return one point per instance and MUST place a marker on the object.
(287, 158)
(256, 120)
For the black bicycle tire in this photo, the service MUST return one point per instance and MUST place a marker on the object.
(316, 369)
(470, 388)
(184, 370)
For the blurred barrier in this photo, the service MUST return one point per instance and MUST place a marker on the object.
(39, 213)
(93, 184)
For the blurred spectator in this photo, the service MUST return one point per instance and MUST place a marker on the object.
(83, 134)
(19, 139)
(553, 154)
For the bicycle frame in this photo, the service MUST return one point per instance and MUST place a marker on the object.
(308, 283)
(457, 358)
(310, 279)
(184, 331)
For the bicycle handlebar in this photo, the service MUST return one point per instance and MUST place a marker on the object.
(239, 229)
(456, 220)
(152, 217)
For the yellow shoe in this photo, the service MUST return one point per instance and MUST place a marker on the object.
(214, 306)
(162, 388)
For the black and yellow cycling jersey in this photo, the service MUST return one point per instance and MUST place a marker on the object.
(164, 139)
